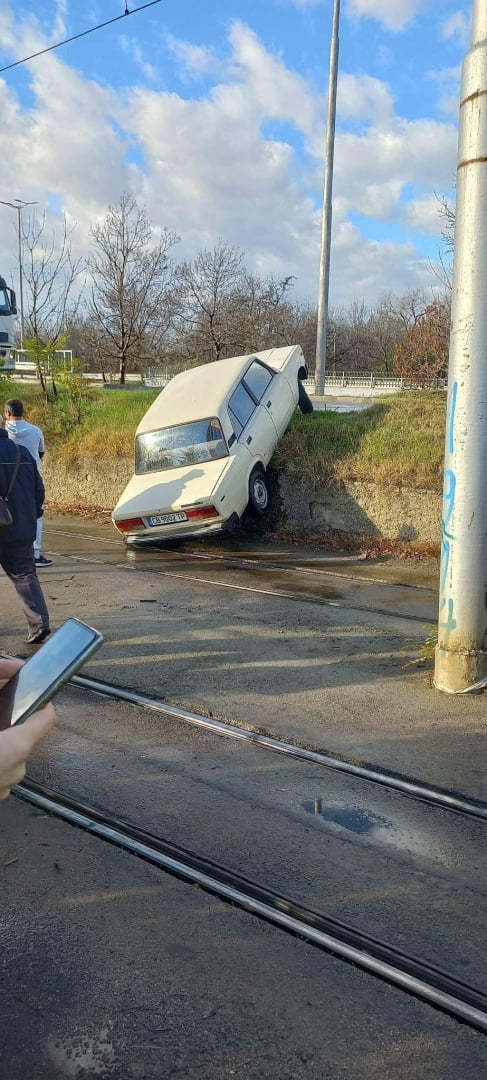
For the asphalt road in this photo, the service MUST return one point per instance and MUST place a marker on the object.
(113, 968)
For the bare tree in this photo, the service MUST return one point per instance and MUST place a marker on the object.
(52, 277)
(225, 309)
(130, 303)
(443, 267)
(390, 321)
(209, 290)
(53, 288)
(422, 355)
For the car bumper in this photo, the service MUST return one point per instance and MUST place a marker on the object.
(186, 530)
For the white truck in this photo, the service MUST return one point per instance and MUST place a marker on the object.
(8, 314)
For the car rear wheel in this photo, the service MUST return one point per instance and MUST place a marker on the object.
(259, 495)
(304, 402)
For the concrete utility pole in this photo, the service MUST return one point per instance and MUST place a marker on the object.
(461, 654)
(18, 205)
(324, 281)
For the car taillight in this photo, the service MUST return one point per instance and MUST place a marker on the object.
(128, 524)
(202, 512)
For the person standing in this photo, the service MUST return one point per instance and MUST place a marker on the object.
(25, 501)
(30, 436)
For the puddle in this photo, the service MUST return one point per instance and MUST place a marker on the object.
(354, 818)
(285, 582)
(398, 833)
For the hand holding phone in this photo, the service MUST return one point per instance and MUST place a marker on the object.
(32, 685)
(17, 744)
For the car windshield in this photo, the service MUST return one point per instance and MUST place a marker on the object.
(185, 444)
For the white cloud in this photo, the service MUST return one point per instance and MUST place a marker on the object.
(369, 268)
(59, 28)
(278, 93)
(457, 27)
(424, 215)
(132, 49)
(208, 167)
(195, 60)
(365, 98)
(393, 14)
(448, 83)
(420, 152)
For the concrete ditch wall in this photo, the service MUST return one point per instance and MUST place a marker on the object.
(363, 510)
(354, 508)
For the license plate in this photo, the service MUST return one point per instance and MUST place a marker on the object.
(166, 519)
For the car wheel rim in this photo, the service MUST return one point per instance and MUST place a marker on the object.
(260, 494)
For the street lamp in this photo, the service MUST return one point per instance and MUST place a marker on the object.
(19, 205)
(327, 208)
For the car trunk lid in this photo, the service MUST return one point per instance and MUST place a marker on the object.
(174, 489)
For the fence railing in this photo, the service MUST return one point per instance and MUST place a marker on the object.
(24, 362)
(379, 382)
(362, 380)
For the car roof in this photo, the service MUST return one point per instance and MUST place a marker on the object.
(201, 391)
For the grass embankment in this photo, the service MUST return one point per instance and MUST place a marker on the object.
(108, 420)
(397, 442)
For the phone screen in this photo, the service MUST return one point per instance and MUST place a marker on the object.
(47, 671)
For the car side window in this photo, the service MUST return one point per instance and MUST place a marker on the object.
(257, 379)
(240, 406)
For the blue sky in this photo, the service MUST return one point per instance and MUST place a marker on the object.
(213, 116)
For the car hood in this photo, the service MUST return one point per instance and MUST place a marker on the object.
(156, 492)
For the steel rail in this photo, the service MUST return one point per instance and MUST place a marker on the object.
(434, 796)
(254, 564)
(305, 598)
(417, 977)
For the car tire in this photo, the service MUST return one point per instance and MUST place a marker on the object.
(304, 402)
(259, 494)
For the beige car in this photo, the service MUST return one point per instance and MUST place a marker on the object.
(203, 446)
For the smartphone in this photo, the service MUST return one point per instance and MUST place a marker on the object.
(38, 680)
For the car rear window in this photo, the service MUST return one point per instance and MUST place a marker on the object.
(241, 406)
(184, 444)
(257, 378)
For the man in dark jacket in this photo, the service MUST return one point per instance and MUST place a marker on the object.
(16, 550)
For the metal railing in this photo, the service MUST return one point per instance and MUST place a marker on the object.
(359, 380)
(379, 382)
(23, 361)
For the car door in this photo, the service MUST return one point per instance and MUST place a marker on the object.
(252, 424)
(273, 392)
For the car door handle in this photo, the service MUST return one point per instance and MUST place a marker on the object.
(268, 404)
(249, 440)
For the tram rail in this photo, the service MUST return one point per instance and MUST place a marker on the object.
(409, 786)
(256, 564)
(417, 977)
(296, 597)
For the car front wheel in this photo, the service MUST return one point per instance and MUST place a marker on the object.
(259, 495)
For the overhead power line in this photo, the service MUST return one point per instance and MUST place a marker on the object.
(82, 34)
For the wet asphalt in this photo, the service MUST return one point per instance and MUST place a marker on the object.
(115, 969)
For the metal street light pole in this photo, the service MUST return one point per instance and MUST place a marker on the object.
(461, 654)
(324, 280)
(19, 205)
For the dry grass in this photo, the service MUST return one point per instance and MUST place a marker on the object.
(397, 442)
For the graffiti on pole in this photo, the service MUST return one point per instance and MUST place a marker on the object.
(449, 492)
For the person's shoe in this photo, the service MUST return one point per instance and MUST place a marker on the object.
(41, 560)
(37, 636)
